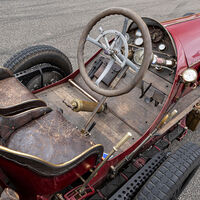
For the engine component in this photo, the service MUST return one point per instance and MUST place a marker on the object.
(95, 67)
(162, 61)
(80, 105)
(193, 118)
(112, 73)
(144, 91)
(158, 97)
(167, 118)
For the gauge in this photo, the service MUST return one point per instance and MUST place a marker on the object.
(138, 33)
(190, 75)
(162, 47)
(138, 56)
(138, 41)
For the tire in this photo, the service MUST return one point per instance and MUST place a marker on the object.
(171, 177)
(37, 56)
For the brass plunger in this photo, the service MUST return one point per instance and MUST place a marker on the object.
(87, 106)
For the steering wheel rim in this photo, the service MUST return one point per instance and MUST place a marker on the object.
(147, 51)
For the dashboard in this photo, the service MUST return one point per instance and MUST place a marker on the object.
(162, 47)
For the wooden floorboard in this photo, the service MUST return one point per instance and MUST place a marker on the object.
(108, 130)
(159, 83)
(134, 110)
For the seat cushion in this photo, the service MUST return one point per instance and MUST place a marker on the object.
(51, 138)
(13, 92)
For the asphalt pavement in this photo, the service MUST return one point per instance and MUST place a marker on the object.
(24, 23)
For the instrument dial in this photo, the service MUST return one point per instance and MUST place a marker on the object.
(138, 56)
(162, 47)
(138, 41)
(138, 33)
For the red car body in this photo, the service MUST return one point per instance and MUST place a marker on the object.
(185, 33)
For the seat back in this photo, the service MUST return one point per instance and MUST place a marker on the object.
(38, 177)
(21, 107)
(24, 118)
(8, 124)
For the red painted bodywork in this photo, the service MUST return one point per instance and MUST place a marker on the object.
(185, 34)
(188, 33)
(33, 184)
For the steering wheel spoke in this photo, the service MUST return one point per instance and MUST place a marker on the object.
(106, 70)
(125, 26)
(96, 42)
(117, 59)
(106, 40)
(135, 67)
(114, 42)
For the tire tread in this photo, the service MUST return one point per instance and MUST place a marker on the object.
(174, 170)
(21, 57)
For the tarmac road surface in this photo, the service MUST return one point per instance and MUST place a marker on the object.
(59, 23)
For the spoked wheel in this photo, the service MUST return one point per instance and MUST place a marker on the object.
(115, 50)
(45, 74)
(39, 66)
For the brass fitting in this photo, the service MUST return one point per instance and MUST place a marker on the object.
(87, 106)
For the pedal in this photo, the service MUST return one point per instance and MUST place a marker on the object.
(158, 97)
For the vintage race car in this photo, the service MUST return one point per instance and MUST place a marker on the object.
(103, 131)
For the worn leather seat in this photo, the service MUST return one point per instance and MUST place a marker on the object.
(51, 138)
(8, 124)
(47, 143)
(12, 92)
(50, 145)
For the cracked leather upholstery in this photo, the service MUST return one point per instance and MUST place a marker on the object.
(49, 145)
(8, 124)
(13, 92)
(51, 138)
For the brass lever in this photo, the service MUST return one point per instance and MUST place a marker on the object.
(115, 149)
